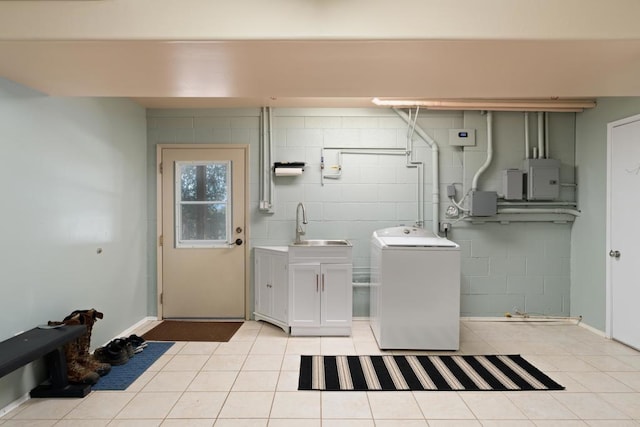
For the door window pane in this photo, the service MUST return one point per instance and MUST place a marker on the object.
(204, 182)
(203, 210)
(204, 222)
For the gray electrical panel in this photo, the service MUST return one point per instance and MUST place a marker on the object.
(483, 203)
(543, 179)
(512, 184)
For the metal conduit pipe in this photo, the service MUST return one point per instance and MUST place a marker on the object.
(350, 150)
(262, 157)
(270, 134)
(487, 162)
(526, 135)
(537, 204)
(266, 155)
(419, 189)
(547, 152)
(388, 151)
(573, 212)
(410, 163)
(541, 154)
(434, 169)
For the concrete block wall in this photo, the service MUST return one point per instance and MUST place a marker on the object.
(516, 266)
(523, 265)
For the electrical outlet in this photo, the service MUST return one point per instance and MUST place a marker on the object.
(445, 227)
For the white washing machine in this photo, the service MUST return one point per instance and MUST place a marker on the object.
(415, 290)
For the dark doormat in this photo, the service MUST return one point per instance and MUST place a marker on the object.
(179, 330)
(446, 373)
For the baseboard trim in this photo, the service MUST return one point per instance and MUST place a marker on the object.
(593, 330)
(132, 328)
(520, 319)
(13, 405)
(508, 319)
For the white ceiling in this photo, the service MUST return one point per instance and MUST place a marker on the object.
(195, 74)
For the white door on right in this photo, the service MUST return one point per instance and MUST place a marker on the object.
(623, 230)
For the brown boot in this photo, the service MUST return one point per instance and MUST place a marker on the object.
(76, 372)
(84, 358)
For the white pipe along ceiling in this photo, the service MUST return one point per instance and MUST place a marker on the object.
(434, 164)
(487, 162)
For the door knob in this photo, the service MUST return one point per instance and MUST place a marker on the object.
(238, 242)
(614, 254)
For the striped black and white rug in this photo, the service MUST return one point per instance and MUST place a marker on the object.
(447, 373)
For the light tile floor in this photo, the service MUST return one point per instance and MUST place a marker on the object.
(252, 381)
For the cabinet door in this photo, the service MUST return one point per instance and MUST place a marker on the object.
(279, 301)
(337, 295)
(304, 298)
(262, 283)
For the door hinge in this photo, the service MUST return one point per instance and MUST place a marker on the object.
(160, 240)
(160, 167)
(161, 295)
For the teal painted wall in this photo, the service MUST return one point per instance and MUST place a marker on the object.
(72, 180)
(588, 241)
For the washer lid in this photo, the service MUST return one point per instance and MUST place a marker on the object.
(403, 231)
(429, 242)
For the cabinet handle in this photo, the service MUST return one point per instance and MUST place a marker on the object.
(317, 284)
(322, 282)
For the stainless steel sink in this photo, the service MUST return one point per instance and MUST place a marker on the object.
(317, 242)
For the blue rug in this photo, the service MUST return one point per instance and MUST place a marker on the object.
(122, 376)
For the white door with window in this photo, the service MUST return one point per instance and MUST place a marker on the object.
(202, 257)
(623, 233)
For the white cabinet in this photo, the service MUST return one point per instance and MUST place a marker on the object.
(271, 302)
(336, 305)
(320, 299)
(305, 291)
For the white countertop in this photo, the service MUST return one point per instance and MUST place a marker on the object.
(273, 248)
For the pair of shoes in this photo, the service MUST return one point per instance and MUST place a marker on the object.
(124, 343)
(118, 351)
(114, 353)
(137, 342)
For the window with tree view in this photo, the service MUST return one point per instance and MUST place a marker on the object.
(203, 206)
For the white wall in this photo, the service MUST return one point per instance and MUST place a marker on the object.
(588, 241)
(72, 180)
(516, 264)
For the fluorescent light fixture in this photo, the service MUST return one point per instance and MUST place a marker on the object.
(552, 105)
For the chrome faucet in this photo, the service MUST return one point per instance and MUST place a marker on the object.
(299, 230)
